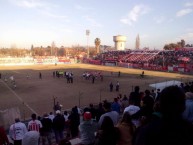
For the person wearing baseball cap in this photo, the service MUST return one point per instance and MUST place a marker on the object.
(87, 129)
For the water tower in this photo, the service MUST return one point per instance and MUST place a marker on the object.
(119, 42)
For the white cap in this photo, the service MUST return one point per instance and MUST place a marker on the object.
(58, 112)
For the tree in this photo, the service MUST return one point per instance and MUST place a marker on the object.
(183, 43)
(32, 47)
(170, 46)
(97, 45)
(53, 46)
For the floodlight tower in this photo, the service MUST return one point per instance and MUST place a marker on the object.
(87, 34)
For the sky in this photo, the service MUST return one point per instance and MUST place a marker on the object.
(64, 22)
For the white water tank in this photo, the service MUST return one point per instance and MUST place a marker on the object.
(119, 42)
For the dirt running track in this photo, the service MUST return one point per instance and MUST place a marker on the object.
(36, 95)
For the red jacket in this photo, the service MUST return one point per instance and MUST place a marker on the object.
(3, 136)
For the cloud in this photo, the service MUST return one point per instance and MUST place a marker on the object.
(187, 37)
(183, 12)
(79, 7)
(134, 14)
(160, 19)
(144, 36)
(67, 30)
(28, 3)
(189, 29)
(188, 4)
(92, 21)
(54, 15)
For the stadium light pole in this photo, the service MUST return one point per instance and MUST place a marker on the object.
(87, 34)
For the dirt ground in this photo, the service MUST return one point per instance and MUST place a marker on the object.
(37, 95)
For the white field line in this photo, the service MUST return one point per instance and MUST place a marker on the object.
(19, 98)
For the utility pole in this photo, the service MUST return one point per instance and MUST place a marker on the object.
(54, 99)
(87, 34)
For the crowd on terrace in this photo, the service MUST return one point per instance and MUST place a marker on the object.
(150, 117)
(153, 57)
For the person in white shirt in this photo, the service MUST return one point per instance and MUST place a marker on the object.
(17, 131)
(66, 115)
(132, 109)
(51, 116)
(34, 124)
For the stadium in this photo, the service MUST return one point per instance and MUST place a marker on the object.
(34, 95)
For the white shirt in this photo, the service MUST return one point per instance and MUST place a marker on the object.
(17, 131)
(34, 125)
(51, 117)
(66, 117)
(131, 109)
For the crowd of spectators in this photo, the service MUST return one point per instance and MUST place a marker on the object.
(139, 118)
(151, 57)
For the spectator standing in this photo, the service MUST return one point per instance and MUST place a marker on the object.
(74, 120)
(99, 111)
(51, 116)
(3, 136)
(131, 110)
(58, 126)
(66, 115)
(67, 124)
(126, 130)
(112, 114)
(116, 106)
(87, 129)
(124, 103)
(46, 129)
(171, 129)
(107, 134)
(17, 132)
(135, 96)
(92, 110)
(147, 104)
(31, 138)
(34, 124)
(158, 95)
(188, 112)
(153, 94)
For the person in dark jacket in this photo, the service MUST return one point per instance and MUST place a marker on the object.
(135, 96)
(46, 129)
(74, 119)
(107, 134)
(58, 126)
(171, 128)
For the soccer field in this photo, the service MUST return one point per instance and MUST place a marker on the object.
(36, 95)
